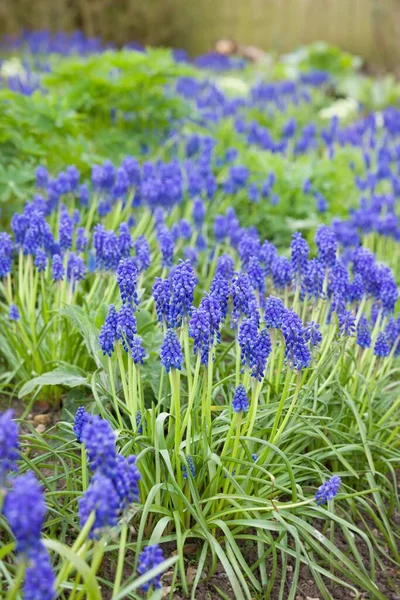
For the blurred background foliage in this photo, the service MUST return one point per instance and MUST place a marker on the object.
(368, 28)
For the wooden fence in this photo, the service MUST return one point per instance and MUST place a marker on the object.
(369, 28)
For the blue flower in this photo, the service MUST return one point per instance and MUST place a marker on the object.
(6, 254)
(347, 323)
(40, 260)
(363, 333)
(191, 466)
(8, 445)
(99, 441)
(162, 298)
(312, 334)
(121, 184)
(240, 402)
(150, 557)
(171, 352)
(84, 195)
(125, 242)
(328, 490)
(296, 349)
(142, 250)
(76, 269)
(183, 282)
(185, 229)
(73, 176)
(25, 510)
(126, 327)
(13, 314)
(58, 268)
(225, 267)
(66, 230)
(274, 310)
(126, 480)
(42, 177)
(166, 243)
(127, 275)
(282, 272)
(132, 169)
(101, 497)
(325, 240)
(81, 418)
(40, 579)
(381, 348)
(219, 289)
(256, 274)
(242, 296)
(299, 254)
(261, 350)
(247, 336)
(138, 352)
(198, 212)
(108, 333)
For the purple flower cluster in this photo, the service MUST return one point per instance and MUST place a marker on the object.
(114, 485)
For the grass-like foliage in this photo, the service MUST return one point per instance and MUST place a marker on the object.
(216, 391)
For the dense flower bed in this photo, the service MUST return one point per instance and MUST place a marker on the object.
(224, 311)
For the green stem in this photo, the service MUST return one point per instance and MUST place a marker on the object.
(121, 559)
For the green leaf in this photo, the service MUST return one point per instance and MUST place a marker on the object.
(66, 376)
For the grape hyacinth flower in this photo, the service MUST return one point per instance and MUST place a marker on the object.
(101, 498)
(99, 441)
(219, 289)
(325, 240)
(142, 250)
(299, 255)
(108, 333)
(138, 352)
(25, 509)
(8, 445)
(191, 466)
(42, 177)
(127, 275)
(171, 352)
(58, 268)
(296, 350)
(328, 490)
(126, 481)
(126, 327)
(13, 314)
(313, 334)
(40, 579)
(183, 282)
(363, 333)
(240, 402)
(274, 310)
(40, 260)
(125, 242)
(247, 336)
(81, 418)
(261, 350)
(381, 348)
(162, 298)
(150, 557)
(347, 323)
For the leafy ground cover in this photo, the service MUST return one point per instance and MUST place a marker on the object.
(199, 307)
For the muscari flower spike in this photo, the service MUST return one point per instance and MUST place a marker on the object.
(171, 352)
(328, 490)
(81, 418)
(240, 402)
(150, 557)
(8, 445)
